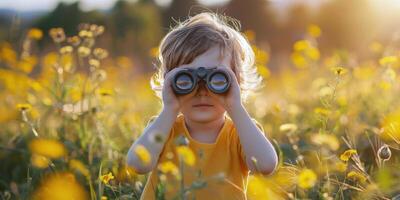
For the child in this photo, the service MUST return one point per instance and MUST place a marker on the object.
(226, 148)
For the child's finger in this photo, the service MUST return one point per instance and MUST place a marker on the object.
(169, 76)
(231, 73)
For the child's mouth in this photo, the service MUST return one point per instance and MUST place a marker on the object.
(202, 105)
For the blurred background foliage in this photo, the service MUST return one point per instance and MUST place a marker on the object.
(134, 27)
(75, 94)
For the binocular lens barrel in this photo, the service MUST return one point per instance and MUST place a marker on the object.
(218, 82)
(185, 81)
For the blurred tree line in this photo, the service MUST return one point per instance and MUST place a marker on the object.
(133, 28)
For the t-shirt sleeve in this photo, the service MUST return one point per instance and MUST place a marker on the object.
(241, 150)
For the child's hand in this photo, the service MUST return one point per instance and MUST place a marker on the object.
(231, 98)
(170, 99)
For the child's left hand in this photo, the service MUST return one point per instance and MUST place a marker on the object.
(232, 97)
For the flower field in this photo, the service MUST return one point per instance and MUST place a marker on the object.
(69, 116)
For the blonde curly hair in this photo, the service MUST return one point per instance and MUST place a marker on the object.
(196, 35)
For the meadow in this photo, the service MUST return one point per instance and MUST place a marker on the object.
(69, 116)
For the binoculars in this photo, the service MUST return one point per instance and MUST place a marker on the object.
(186, 80)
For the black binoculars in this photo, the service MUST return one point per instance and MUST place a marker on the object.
(186, 80)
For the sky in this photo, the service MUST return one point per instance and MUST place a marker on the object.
(86, 5)
(45, 5)
(280, 6)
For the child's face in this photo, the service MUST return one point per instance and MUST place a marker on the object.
(201, 95)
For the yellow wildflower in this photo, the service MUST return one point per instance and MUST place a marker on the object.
(263, 71)
(387, 60)
(79, 166)
(376, 47)
(312, 53)
(35, 33)
(24, 106)
(47, 101)
(75, 94)
(322, 111)
(301, 45)
(106, 178)
(340, 166)
(347, 154)
(339, 70)
(94, 62)
(105, 92)
(100, 53)
(67, 61)
(342, 101)
(357, 176)
(57, 34)
(39, 161)
(307, 179)
(168, 167)
(285, 177)
(277, 108)
(186, 154)
(61, 186)
(124, 62)
(314, 30)
(288, 127)
(250, 35)
(126, 173)
(298, 60)
(262, 57)
(66, 49)
(154, 52)
(85, 34)
(389, 75)
(364, 72)
(83, 51)
(325, 91)
(143, 154)
(96, 29)
(326, 139)
(50, 59)
(74, 40)
(27, 63)
(385, 85)
(391, 127)
(47, 147)
(8, 54)
(261, 188)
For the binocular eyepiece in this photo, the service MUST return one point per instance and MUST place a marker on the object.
(186, 80)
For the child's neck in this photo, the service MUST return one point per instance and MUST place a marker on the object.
(205, 132)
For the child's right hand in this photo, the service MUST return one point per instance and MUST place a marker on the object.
(170, 99)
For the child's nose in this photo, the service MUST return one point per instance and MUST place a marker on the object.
(202, 88)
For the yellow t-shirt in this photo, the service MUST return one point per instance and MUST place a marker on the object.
(221, 165)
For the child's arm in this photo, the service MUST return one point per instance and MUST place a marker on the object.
(161, 126)
(252, 139)
(254, 142)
